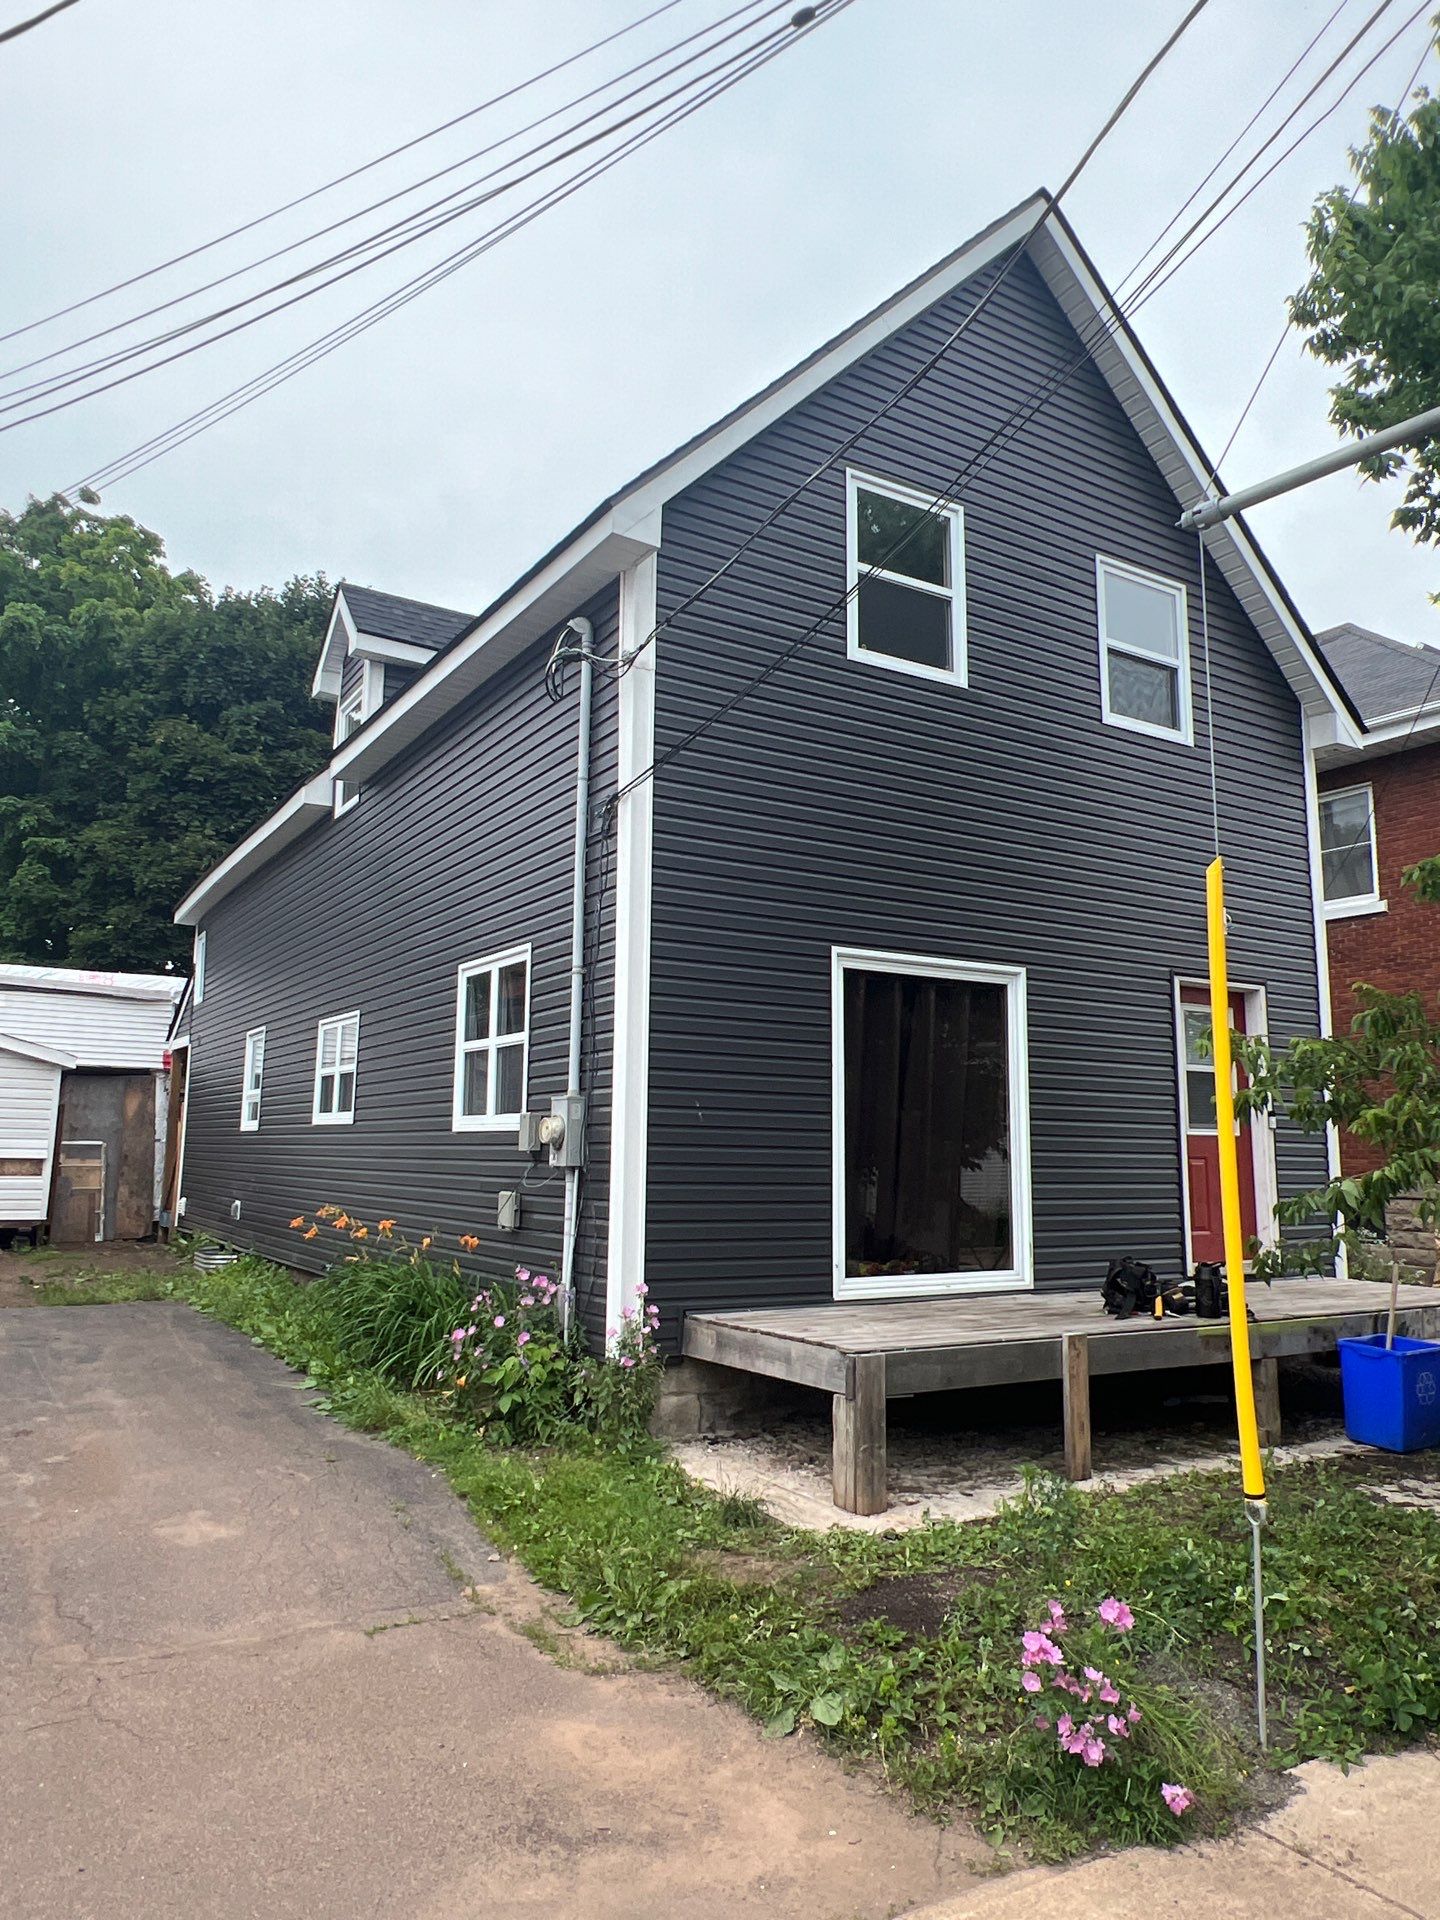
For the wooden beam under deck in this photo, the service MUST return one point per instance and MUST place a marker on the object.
(976, 1340)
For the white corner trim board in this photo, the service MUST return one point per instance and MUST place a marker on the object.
(634, 830)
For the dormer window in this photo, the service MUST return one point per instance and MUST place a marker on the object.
(351, 714)
(906, 578)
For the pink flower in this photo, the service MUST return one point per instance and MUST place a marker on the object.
(1118, 1726)
(641, 1288)
(499, 1320)
(1058, 1622)
(1031, 1681)
(522, 1339)
(1116, 1614)
(1064, 1726)
(522, 1274)
(1040, 1650)
(1042, 1721)
(527, 1299)
(1178, 1799)
(1093, 1752)
(626, 1361)
(458, 1335)
(1133, 1715)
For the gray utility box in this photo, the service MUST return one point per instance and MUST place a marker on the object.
(530, 1140)
(569, 1149)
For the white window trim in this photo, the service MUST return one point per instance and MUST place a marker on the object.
(365, 700)
(1350, 906)
(249, 1124)
(460, 1121)
(197, 969)
(1184, 734)
(955, 675)
(317, 1118)
(1020, 1276)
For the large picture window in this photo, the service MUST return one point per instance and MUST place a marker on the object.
(492, 1041)
(932, 1183)
(907, 579)
(1144, 651)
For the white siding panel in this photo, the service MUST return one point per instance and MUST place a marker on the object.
(29, 1097)
(100, 1030)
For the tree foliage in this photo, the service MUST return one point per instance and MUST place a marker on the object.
(145, 725)
(1372, 303)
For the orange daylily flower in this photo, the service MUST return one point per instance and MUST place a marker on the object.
(426, 1241)
(469, 1241)
(298, 1221)
(385, 1226)
(342, 1220)
(311, 1234)
(360, 1233)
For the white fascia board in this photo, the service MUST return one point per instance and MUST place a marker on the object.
(33, 1050)
(339, 640)
(375, 646)
(579, 571)
(308, 804)
(1152, 413)
(1379, 743)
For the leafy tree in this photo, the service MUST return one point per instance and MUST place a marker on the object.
(1372, 302)
(145, 725)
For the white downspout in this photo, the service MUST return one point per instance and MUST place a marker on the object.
(586, 632)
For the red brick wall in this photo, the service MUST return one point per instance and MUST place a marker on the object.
(1398, 950)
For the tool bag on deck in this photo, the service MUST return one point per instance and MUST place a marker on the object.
(1130, 1287)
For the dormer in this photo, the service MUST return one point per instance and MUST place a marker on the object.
(374, 646)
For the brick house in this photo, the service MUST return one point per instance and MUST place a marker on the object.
(1379, 813)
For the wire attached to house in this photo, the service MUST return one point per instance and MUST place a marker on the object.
(35, 20)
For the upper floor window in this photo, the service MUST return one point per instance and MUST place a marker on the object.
(906, 576)
(251, 1078)
(198, 971)
(492, 1041)
(351, 714)
(337, 1054)
(1144, 651)
(1348, 865)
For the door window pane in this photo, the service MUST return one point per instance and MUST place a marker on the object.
(928, 1185)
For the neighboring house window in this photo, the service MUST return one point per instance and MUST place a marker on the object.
(337, 1051)
(930, 1125)
(906, 576)
(198, 970)
(492, 1041)
(1144, 651)
(1348, 862)
(250, 1080)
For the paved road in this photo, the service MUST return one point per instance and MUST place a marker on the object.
(238, 1678)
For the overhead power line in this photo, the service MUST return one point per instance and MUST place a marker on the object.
(340, 179)
(35, 20)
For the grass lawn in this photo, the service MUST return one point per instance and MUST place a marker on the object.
(904, 1650)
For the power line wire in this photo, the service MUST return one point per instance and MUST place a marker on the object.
(340, 180)
(35, 20)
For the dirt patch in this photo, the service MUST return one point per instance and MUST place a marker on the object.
(23, 1271)
(745, 1569)
(916, 1603)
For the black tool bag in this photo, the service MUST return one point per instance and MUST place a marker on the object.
(1130, 1287)
(1212, 1295)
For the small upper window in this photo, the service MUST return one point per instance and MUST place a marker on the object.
(349, 719)
(492, 1041)
(906, 579)
(1144, 651)
(250, 1080)
(1347, 849)
(199, 967)
(337, 1053)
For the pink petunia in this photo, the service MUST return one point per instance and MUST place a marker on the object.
(1031, 1681)
(1177, 1798)
(1116, 1614)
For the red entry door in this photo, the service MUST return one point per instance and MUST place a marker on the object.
(1202, 1139)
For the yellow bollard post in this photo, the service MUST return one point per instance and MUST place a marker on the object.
(1251, 1470)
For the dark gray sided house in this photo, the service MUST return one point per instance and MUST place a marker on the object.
(877, 1034)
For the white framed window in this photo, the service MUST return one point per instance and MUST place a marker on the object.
(251, 1078)
(337, 1056)
(905, 559)
(1144, 651)
(1349, 858)
(931, 1128)
(492, 1042)
(197, 970)
(351, 714)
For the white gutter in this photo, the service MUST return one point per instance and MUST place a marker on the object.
(586, 631)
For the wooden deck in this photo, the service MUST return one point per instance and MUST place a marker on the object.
(866, 1353)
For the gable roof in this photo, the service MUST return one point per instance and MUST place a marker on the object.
(362, 619)
(625, 528)
(1387, 679)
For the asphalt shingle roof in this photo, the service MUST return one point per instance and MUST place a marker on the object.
(1384, 677)
(390, 617)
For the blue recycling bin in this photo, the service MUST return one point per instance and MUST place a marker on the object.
(1392, 1397)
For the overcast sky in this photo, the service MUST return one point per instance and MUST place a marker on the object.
(441, 452)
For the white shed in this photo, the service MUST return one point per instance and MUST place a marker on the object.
(29, 1107)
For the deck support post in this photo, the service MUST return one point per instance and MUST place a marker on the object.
(1075, 1383)
(858, 1452)
(1266, 1375)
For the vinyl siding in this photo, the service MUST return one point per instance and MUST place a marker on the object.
(844, 804)
(99, 1031)
(459, 849)
(29, 1098)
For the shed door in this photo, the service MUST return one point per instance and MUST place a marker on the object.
(79, 1214)
(1202, 1138)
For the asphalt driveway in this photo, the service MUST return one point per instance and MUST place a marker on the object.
(239, 1676)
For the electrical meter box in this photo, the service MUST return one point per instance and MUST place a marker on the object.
(569, 1149)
